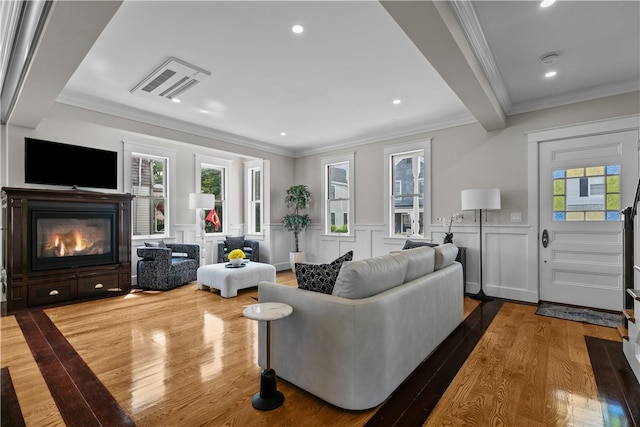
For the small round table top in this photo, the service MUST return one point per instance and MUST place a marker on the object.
(267, 311)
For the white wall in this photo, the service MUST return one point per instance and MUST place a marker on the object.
(462, 157)
(81, 127)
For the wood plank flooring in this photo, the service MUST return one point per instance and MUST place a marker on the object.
(188, 358)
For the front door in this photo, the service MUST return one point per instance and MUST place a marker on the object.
(584, 184)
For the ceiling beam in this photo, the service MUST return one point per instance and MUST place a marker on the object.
(435, 31)
(71, 29)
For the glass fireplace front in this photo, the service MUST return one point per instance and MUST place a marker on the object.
(69, 235)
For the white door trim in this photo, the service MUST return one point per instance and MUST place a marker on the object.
(618, 124)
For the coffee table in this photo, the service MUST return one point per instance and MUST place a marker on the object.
(269, 397)
(229, 279)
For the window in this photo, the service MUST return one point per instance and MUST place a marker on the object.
(408, 183)
(147, 178)
(587, 193)
(338, 189)
(254, 217)
(211, 178)
(213, 181)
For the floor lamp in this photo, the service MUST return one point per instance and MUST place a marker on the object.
(487, 199)
(202, 201)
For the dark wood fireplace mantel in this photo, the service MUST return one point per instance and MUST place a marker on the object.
(65, 280)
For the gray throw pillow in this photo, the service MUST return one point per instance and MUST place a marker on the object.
(159, 244)
(235, 242)
(410, 244)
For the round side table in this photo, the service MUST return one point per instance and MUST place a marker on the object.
(268, 397)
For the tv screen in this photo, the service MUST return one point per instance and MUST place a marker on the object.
(54, 163)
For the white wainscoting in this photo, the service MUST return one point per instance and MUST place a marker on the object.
(506, 261)
(506, 258)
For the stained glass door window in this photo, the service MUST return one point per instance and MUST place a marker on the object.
(587, 194)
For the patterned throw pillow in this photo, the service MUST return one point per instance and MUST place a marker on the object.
(159, 244)
(234, 242)
(346, 257)
(317, 277)
(320, 277)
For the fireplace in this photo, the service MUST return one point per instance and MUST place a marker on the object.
(69, 235)
(67, 245)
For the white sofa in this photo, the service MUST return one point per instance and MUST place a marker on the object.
(386, 314)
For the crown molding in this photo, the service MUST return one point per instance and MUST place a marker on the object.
(99, 105)
(91, 103)
(449, 122)
(572, 98)
(468, 20)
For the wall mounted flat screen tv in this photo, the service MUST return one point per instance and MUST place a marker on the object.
(54, 163)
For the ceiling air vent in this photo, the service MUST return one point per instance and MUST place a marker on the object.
(170, 79)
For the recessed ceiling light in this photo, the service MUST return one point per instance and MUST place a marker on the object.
(283, 134)
(297, 28)
(550, 74)
(397, 101)
(176, 100)
(547, 3)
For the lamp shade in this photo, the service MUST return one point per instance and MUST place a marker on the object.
(481, 198)
(201, 201)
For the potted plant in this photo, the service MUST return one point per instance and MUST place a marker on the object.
(448, 236)
(298, 197)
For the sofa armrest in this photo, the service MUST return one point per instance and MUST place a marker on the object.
(255, 249)
(192, 251)
(155, 254)
(221, 254)
(351, 340)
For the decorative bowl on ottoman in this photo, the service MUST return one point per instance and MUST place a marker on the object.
(236, 262)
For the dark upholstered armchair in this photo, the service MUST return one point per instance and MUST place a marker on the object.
(167, 267)
(251, 248)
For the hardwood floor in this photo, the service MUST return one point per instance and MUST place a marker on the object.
(188, 358)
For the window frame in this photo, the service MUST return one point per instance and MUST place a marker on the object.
(327, 162)
(209, 162)
(133, 149)
(423, 145)
(249, 167)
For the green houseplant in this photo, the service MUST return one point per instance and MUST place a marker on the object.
(298, 197)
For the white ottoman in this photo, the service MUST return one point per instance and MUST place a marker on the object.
(228, 280)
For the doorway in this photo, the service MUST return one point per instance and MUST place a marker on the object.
(584, 183)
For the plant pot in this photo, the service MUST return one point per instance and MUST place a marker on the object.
(295, 257)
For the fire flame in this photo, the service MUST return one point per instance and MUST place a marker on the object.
(62, 244)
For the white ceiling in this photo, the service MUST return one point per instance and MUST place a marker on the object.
(334, 84)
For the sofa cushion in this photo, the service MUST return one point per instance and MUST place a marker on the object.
(317, 277)
(179, 255)
(445, 255)
(367, 277)
(421, 261)
(234, 242)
